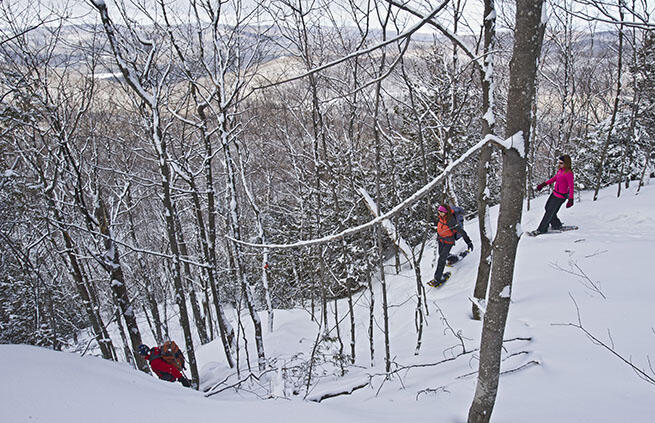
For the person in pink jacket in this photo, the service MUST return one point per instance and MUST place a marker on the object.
(562, 191)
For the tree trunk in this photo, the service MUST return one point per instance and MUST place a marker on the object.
(160, 145)
(232, 205)
(111, 262)
(523, 68)
(188, 276)
(150, 296)
(615, 109)
(488, 125)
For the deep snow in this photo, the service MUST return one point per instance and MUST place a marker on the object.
(604, 267)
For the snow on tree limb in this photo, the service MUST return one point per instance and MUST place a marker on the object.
(388, 226)
(517, 142)
(489, 139)
(128, 74)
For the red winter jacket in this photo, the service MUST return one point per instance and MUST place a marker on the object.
(163, 369)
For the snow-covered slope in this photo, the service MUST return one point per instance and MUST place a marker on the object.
(601, 274)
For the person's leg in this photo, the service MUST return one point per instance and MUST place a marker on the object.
(555, 223)
(552, 206)
(452, 259)
(444, 251)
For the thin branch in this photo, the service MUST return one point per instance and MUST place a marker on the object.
(358, 53)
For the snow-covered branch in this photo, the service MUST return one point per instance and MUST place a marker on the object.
(512, 142)
(388, 226)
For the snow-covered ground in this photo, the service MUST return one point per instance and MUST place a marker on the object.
(600, 273)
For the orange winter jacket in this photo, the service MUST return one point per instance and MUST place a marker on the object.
(446, 230)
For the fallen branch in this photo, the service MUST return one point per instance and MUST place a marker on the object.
(445, 360)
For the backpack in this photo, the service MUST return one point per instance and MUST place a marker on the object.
(170, 353)
(458, 212)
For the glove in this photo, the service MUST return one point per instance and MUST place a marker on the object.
(470, 246)
(540, 186)
(569, 203)
(184, 381)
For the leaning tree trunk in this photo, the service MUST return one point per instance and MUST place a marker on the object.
(142, 270)
(75, 269)
(488, 125)
(111, 262)
(523, 69)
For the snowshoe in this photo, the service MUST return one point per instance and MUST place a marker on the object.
(454, 258)
(553, 231)
(436, 284)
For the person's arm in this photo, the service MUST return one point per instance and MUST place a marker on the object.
(460, 228)
(569, 179)
(159, 365)
(548, 182)
(468, 241)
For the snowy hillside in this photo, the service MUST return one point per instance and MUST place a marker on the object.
(601, 274)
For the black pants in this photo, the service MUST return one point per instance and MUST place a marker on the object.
(550, 217)
(444, 252)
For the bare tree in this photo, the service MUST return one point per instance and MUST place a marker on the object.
(151, 98)
(528, 38)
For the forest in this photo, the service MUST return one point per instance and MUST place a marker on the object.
(209, 162)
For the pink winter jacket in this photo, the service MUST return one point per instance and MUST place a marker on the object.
(563, 183)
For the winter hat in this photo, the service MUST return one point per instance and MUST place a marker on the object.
(443, 209)
(143, 349)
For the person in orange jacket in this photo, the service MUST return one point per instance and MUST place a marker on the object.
(447, 229)
(163, 369)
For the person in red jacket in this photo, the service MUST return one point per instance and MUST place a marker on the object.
(163, 369)
(562, 191)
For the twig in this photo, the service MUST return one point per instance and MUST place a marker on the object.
(432, 390)
(590, 284)
(597, 253)
(642, 374)
(457, 334)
